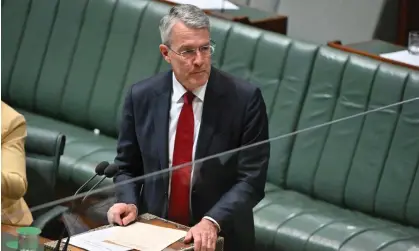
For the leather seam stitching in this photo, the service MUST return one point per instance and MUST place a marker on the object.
(72, 56)
(327, 133)
(367, 104)
(127, 70)
(387, 151)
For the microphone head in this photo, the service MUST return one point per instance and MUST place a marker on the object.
(111, 170)
(100, 168)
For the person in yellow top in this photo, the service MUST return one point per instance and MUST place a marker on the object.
(14, 210)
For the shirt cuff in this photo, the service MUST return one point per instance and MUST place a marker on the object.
(213, 221)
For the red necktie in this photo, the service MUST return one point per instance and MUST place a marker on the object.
(182, 153)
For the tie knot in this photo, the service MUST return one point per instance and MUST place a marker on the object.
(188, 97)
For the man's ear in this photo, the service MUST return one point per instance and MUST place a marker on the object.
(164, 50)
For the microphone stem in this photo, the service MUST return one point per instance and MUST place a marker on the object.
(93, 187)
(85, 183)
(84, 198)
(57, 247)
(66, 243)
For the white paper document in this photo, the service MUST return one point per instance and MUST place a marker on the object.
(402, 56)
(209, 4)
(95, 241)
(145, 237)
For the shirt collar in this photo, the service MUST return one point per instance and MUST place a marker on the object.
(179, 91)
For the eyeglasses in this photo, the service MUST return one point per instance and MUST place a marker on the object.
(206, 50)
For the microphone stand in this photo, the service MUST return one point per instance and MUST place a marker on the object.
(99, 171)
(84, 198)
(110, 171)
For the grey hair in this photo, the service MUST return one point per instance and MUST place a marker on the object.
(192, 16)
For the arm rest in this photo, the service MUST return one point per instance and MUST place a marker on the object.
(44, 142)
(43, 152)
(49, 216)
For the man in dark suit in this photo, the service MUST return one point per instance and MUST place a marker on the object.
(188, 113)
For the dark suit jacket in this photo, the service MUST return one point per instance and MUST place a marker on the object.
(225, 187)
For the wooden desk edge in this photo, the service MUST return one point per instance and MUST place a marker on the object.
(338, 45)
(179, 245)
(156, 222)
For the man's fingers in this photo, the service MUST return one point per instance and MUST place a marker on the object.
(128, 219)
(116, 217)
(212, 242)
(188, 237)
(205, 241)
(209, 242)
(110, 217)
(197, 240)
(115, 213)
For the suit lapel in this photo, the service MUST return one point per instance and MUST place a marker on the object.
(213, 105)
(161, 106)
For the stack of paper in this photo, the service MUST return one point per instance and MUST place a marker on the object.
(95, 241)
(145, 237)
(139, 236)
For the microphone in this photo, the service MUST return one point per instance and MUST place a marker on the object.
(109, 172)
(99, 171)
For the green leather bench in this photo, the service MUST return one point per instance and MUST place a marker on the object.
(353, 185)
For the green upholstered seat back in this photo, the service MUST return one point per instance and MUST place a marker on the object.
(397, 192)
(368, 163)
(73, 60)
(279, 66)
(293, 82)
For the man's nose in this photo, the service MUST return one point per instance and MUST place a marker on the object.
(199, 59)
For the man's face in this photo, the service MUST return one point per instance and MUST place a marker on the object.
(192, 69)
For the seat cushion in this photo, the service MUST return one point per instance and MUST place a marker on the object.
(287, 220)
(83, 151)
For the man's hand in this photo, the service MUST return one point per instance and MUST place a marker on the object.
(122, 214)
(204, 235)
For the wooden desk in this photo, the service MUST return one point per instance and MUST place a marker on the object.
(250, 16)
(373, 49)
(145, 218)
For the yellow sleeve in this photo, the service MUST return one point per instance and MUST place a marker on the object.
(13, 163)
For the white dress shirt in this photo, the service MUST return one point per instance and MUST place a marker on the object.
(175, 109)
